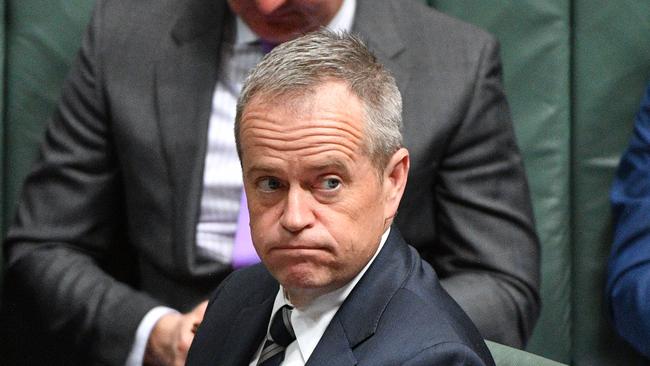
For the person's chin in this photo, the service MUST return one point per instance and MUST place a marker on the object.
(283, 31)
(303, 275)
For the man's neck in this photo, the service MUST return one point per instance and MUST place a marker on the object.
(301, 298)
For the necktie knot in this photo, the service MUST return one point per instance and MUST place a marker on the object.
(281, 329)
(267, 46)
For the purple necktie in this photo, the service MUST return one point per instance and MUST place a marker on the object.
(243, 252)
(267, 46)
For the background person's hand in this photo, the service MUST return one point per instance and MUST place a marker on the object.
(171, 337)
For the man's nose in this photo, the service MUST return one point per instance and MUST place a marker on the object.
(269, 6)
(297, 214)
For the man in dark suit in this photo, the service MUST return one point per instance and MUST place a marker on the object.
(318, 135)
(107, 228)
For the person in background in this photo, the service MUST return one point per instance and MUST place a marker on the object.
(318, 135)
(628, 272)
(133, 212)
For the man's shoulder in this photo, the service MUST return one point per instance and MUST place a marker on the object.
(417, 20)
(432, 320)
(123, 12)
(405, 292)
(127, 21)
(426, 303)
(423, 37)
(252, 284)
(426, 319)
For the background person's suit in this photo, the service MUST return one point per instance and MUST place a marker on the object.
(397, 314)
(116, 192)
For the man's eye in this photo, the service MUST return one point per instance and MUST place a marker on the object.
(330, 184)
(269, 184)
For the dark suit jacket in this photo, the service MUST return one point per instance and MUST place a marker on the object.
(398, 314)
(106, 225)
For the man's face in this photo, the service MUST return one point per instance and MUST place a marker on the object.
(317, 206)
(282, 20)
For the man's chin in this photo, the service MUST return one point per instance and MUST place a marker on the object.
(279, 33)
(301, 276)
(301, 290)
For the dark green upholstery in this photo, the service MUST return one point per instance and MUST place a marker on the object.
(611, 66)
(574, 73)
(42, 36)
(508, 356)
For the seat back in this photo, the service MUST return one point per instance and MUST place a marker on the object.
(508, 356)
(41, 39)
(574, 73)
(611, 66)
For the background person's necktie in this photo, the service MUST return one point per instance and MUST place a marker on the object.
(243, 252)
(267, 46)
(281, 336)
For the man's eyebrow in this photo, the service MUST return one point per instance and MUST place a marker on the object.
(329, 164)
(261, 169)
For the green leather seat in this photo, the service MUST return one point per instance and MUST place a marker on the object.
(508, 356)
(574, 72)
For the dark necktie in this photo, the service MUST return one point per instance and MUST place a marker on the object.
(281, 336)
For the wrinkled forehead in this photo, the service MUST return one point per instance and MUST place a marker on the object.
(327, 96)
(329, 115)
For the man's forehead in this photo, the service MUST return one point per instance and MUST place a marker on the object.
(327, 119)
(325, 162)
(331, 101)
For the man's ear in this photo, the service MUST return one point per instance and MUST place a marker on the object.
(395, 176)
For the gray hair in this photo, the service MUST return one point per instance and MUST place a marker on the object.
(301, 65)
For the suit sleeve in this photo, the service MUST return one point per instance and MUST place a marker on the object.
(628, 277)
(484, 216)
(67, 253)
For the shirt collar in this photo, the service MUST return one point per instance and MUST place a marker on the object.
(342, 21)
(344, 18)
(244, 34)
(309, 323)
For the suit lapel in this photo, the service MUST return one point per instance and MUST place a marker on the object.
(186, 75)
(250, 329)
(359, 315)
(375, 22)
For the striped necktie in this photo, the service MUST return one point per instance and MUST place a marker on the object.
(281, 334)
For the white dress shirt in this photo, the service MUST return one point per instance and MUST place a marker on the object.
(309, 323)
(222, 177)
